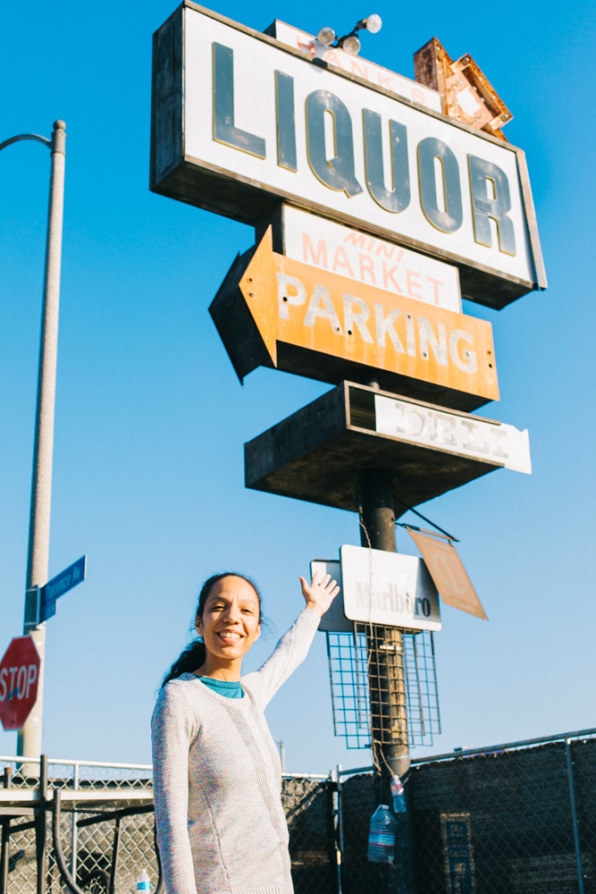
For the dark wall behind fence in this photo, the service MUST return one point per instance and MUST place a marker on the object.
(521, 820)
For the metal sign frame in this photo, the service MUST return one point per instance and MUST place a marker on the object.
(233, 137)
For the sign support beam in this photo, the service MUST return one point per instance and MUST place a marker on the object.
(377, 531)
(387, 690)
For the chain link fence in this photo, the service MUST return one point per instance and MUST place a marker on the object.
(514, 819)
(109, 838)
(64, 774)
(311, 810)
(102, 835)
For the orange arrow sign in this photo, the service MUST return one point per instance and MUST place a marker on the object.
(274, 311)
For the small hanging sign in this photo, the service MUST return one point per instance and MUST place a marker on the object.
(448, 573)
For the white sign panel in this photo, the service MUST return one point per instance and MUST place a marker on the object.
(356, 255)
(239, 120)
(361, 68)
(481, 439)
(388, 588)
(334, 620)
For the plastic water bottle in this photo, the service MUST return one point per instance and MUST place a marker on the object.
(143, 882)
(381, 836)
(398, 795)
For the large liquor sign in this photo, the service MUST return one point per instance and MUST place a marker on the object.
(242, 122)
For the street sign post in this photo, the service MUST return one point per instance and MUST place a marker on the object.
(58, 586)
(19, 680)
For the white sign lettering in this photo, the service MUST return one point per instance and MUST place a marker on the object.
(482, 439)
(376, 262)
(16, 681)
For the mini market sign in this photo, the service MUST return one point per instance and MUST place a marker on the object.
(241, 123)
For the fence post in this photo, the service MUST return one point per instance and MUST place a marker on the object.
(74, 827)
(5, 841)
(41, 827)
(338, 824)
(576, 841)
(4, 855)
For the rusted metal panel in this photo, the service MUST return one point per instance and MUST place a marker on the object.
(490, 113)
(468, 96)
(448, 572)
(431, 67)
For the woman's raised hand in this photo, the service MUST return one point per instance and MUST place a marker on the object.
(320, 593)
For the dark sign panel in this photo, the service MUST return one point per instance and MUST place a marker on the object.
(318, 454)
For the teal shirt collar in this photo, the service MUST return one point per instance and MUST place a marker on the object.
(227, 688)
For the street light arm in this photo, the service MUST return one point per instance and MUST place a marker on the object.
(56, 143)
(27, 136)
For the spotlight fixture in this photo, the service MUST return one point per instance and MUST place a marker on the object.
(326, 36)
(373, 23)
(350, 42)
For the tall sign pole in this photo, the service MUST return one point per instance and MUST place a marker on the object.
(389, 722)
(29, 738)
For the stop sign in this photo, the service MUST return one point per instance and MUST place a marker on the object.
(19, 678)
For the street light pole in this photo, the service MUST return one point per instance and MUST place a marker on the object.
(29, 738)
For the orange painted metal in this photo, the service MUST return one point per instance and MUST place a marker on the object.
(306, 307)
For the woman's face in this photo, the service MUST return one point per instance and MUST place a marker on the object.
(231, 619)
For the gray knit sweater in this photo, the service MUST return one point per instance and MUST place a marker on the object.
(221, 828)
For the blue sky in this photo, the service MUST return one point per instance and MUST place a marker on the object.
(151, 420)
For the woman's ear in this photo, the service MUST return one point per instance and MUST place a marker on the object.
(199, 625)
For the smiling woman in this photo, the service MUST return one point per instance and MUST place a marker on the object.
(217, 775)
(220, 585)
(229, 624)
